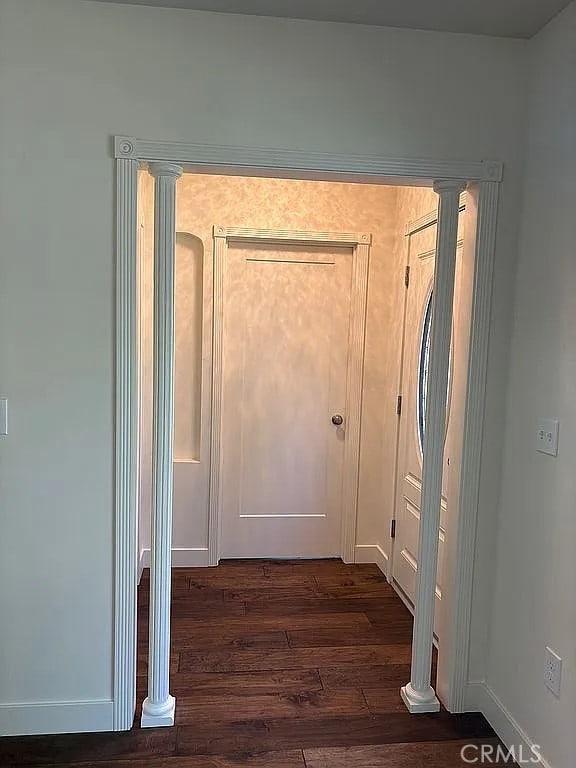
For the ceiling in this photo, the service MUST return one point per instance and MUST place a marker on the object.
(507, 18)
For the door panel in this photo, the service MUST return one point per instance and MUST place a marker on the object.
(408, 505)
(286, 324)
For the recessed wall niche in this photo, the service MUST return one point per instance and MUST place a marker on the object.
(188, 347)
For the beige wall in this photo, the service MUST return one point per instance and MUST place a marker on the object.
(205, 200)
(275, 203)
(145, 257)
(412, 204)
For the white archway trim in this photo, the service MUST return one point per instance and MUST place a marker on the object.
(129, 153)
(295, 161)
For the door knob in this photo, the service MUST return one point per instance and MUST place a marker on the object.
(337, 420)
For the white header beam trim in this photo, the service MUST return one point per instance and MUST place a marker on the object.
(252, 158)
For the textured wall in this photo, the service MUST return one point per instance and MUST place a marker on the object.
(145, 313)
(203, 201)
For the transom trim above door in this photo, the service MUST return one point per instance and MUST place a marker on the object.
(287, 236)
(357, 248)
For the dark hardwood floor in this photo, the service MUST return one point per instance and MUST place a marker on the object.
(276, 665)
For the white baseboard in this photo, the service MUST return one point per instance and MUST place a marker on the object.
(56, 717)
(480, 697)
(182, 557)
(371, 553)
(142, 563)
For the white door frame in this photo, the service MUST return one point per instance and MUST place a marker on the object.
(359, 243)
(485, 178)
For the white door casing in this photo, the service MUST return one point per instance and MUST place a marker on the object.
(251, 514)
(485, 176)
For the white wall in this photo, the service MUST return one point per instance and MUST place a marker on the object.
(534, 602)
(74, 73)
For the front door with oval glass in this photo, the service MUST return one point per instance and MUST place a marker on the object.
(419, 305)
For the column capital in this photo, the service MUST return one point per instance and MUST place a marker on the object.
(170, 170)
(449, 185)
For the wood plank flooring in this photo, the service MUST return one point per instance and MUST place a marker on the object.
(291, 664)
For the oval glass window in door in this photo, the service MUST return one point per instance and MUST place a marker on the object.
(423, 366)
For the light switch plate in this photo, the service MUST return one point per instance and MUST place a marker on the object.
(547, 436)
(3, 416)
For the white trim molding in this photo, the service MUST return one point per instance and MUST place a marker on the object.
(182, 557)
(479, 697)
(56, 717)
(126, 446)
(359, 243)
(353, 407)
(253, 158)
(129, 154)
(372, 553)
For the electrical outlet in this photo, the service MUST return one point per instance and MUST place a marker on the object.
(553, 671)
(547, 436)
(3, 416)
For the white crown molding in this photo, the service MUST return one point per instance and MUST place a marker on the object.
(128, 147)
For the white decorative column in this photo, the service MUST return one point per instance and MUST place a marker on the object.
(158, 707)
(418, 694)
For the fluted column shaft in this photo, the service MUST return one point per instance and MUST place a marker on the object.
(419, 695)
(158, 707)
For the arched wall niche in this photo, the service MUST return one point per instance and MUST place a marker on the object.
(188, 347)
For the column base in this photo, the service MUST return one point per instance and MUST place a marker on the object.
(418, 703)
(158, 715)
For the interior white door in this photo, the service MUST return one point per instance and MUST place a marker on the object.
(412, 423)
(285, 351)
